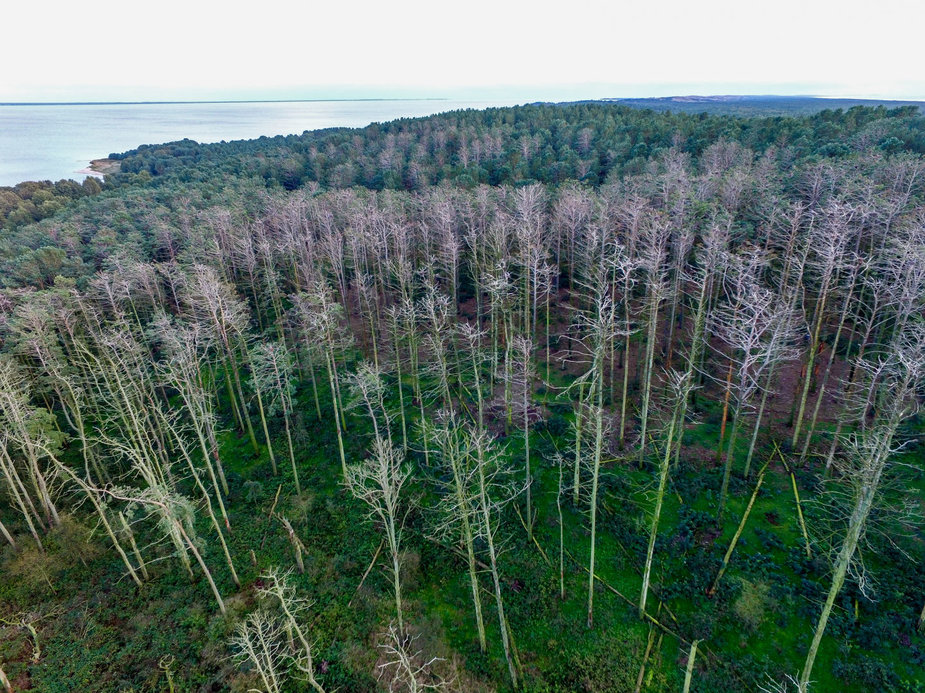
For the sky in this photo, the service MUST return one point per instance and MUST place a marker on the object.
(114, 50)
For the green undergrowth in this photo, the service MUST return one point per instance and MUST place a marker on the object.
(97, 632)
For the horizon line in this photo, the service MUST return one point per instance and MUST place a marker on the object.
(179, 102)
(213, 101)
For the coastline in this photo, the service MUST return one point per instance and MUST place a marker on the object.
(100, 168)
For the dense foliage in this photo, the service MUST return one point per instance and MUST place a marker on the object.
(542, 398)
(33, 201)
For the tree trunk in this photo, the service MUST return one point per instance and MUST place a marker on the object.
(6, 534)
(579, 418)
(689, 671)
(499, 602)
(727, 467)
(598, 446)
(651, 338)
(656, 513)
(738, 533)
(808, 377)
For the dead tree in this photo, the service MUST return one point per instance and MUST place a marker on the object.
(678, 390)
(495, 490)
(273, 375)
(405, 668)
(31, 430)
(457, 504)
(653, 252)
(523, 374)
(277, 585)
(829, 241)
(213, 304)
(378, 483)
(899, 377)
(322, 330)
(746, 326)
(185, 369)
(258, 641)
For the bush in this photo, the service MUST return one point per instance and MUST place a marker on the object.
(753, 604)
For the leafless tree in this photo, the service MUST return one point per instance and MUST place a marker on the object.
(213, 304)
(523, 374)
(653, 253)
(458, 503)
(378, 482)
(405, 668)
(258, 641)
(31, 434)
(277, 585)
(273, 375)
(828, 241)
(899, 375)
(495, 490)
(322, 329)
(678, 391)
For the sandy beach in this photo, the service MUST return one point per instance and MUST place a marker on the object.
(100, 168)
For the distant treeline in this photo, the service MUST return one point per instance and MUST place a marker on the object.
(765, 106)
(594, 143)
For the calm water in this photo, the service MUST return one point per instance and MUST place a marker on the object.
(50, 142)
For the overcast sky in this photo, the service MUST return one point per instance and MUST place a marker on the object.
(202, 49)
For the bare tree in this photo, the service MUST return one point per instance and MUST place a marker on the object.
(495, 491)
(501, 302)
(99, 504)
(368, 391)
(710, 263)
(322, 329)
(457, 505)
(273, 375)
(18, 494)
(277, 585)
(214, 304)
(378, 483)
(600, 331)
(900, 376)
(393, 316)
(746, 325)
(829, 242)
(258, 641)
(678, 390)
(188, 348)
(471, 340)
(653, 251)
(405, 668)
(175, 516)
(31, 431)
(435, 314)
(855, 266)
(524, 377)
(530, 224)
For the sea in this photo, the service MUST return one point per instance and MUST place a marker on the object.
(55, 141)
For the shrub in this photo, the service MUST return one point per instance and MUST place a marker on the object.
(753, 604)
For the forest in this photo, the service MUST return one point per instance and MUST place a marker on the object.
(547, 398)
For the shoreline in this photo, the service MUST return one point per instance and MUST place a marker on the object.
(100, 168)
